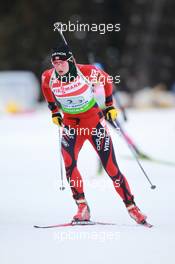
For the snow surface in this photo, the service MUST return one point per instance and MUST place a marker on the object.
(29, 195)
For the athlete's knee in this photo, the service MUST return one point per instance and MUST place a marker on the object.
(118, 178)
(69, 169)
(67, 157)
(112, 169)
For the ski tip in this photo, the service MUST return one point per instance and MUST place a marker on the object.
(36, 226)
(146, 224)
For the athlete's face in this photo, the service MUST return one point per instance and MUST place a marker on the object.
(61, 66)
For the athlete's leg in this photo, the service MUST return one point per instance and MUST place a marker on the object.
(71, 145)
(102, 143)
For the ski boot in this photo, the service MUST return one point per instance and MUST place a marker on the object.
(136, 214)
(83, 213)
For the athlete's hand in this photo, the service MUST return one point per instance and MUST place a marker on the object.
(57, 119)
(111, 113)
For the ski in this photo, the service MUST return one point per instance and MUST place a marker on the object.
(76, 223)
(87, 223)
(147, 158)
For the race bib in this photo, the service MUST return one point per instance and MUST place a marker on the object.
(75, 98)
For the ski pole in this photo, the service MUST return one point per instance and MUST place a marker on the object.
(121, 106)
(58, 27)
(131, 142)
(62, 188)
(117, 126)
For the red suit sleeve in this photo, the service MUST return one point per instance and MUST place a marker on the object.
(96, 74)
(48, 95)
(107, 87)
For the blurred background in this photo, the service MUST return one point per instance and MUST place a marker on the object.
(142, 52)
